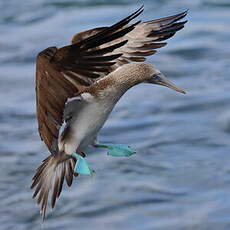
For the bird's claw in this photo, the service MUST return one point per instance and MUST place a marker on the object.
(117, 150)
(81, 166)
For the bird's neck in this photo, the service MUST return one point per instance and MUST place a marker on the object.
(112, 87)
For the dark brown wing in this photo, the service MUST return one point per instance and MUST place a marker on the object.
(52, 90)
(147, 37)
(143, 40)
(62, 73)
(86, 57)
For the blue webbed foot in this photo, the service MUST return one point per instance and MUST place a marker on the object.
(117, 150)
(81, 166)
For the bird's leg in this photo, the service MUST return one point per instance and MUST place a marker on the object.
(81, 166)
(95, 142)
(117, 150)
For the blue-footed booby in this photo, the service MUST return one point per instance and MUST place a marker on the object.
(77, 87)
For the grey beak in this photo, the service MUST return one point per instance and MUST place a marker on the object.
(160, 79)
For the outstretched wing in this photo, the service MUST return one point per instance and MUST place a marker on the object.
(52, 90)
(62, 73)
(148, 36)
(143, 40)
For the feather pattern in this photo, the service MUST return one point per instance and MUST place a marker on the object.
(142, 41)
(50, 177)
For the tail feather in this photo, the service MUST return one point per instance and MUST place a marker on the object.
(49, 178)
(69, 172)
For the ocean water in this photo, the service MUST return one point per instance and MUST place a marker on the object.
(180, 178)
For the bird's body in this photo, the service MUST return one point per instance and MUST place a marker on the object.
(77, 87)
(97, 102)
(84, 129)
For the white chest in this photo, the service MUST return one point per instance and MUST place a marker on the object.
(89, 121)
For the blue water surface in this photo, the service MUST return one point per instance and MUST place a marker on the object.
(180, 177)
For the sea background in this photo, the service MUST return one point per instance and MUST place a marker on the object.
(180, 177)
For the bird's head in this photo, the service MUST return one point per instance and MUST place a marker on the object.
(150, 74)
(156, 77)
(136, 73)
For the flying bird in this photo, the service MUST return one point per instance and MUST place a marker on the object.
(77, 87)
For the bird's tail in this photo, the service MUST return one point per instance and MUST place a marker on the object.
(49, 178)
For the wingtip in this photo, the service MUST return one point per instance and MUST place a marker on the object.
(140, 8)
(185, 12)
(179, 16)
(137, 12)
(184, 22)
